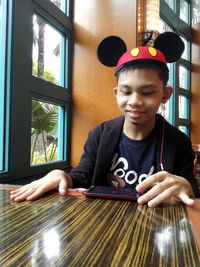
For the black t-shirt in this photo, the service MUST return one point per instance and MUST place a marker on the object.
(135, 159)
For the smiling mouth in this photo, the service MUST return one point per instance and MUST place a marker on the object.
(135, 114)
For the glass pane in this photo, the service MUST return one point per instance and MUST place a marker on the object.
(183, 129)
(164, 27)
(195, 11)
(183, 77)
(45, 134)
(184, 11)
(47, 53)
(183, 105)
(186, 54)
(2, 76)
(59, 3)
(165, 111)
(171, 4)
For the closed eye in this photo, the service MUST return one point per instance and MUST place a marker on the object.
(125, 92)
(147, 93)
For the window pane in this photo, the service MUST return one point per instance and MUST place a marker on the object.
(195, 11)
(2, 76)
(59, 3)
(184, 11)
(183, 77)
(164, 110)
(183, 129)
(183, 104)
(45, 132)
(47, 53)
(186, 53)
(171, 4)
(164, 27)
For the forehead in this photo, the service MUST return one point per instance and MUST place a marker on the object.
(140, 75)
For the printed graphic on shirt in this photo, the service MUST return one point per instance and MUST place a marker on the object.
(120, 168)
(134, 160)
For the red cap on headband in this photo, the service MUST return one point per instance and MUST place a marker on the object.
(141, 54)
(168, 47)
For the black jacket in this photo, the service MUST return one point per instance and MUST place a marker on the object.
(102, 144)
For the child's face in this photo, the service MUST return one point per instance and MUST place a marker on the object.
(139, 94)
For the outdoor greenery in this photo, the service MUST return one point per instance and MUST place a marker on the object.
(44, 122)
(48, 75)
(44, 115)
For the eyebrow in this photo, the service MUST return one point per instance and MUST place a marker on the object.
(146, 86)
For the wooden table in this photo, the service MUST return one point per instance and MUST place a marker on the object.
(76, 231)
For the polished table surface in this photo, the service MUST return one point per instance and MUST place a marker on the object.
(77, 231)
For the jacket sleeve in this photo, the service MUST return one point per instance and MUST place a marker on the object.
(184, 163)
(82, 174)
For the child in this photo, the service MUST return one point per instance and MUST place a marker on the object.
(139, 149)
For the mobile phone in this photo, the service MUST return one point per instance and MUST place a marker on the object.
(112, 192)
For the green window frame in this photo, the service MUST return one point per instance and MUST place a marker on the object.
(24, 87)
(170, 14)
(5, 67)
(3, 18)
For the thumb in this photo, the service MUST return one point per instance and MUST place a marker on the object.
(186, 199)
(63, 185)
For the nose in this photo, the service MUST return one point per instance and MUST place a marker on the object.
(135, 99)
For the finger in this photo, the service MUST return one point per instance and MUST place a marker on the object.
(153, 192)
(24, 188)
(14, 191)
(19, 192)
(24, 195)
(80, 190)
(63, 185)
(186, 199)
(156, 196)
(37, 193)
(151, 181)
(121, 183)
(115, 180)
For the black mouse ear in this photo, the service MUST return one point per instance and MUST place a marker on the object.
(171, 45)
(110, 50)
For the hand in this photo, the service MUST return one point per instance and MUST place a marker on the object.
(114, 180)
(165, 188)
(53, 180)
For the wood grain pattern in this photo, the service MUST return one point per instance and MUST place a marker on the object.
(76, 231)
(194, 217)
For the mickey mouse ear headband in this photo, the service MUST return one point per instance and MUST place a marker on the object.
(168, 47)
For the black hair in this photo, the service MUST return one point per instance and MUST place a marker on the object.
(163, 73)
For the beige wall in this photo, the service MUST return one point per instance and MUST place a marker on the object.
(92, 82)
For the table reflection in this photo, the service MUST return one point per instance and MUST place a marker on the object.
(69, 231)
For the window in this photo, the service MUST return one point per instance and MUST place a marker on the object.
(195, 11)
(171, 4)
(48, 51)
(4, 44)
(40, 85)
(175, 16)
(2, 70)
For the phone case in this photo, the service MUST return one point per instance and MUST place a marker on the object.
(112, 192)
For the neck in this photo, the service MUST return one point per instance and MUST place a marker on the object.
(138, 131)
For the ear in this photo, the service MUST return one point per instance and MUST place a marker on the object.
(167, 93)
(115, 91)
